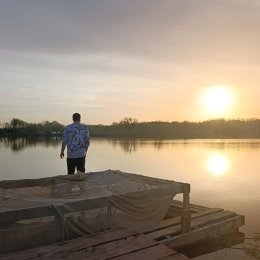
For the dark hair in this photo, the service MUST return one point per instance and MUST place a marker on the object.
(76, 117)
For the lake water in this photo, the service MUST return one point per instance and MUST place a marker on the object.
(222, 173)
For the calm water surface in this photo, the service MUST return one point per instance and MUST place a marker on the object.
(222, 173)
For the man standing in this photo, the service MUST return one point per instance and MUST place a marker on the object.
(76, 138)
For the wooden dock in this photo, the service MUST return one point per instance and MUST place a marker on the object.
(164, 241)
(114, 215)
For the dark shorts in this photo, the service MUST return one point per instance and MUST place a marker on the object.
(73, 163)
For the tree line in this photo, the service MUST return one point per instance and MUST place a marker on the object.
(20, 128)
(131, 128)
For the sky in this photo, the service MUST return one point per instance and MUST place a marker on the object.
(147, 59)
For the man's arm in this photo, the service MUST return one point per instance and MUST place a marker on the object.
(87, 140)
(63, 146)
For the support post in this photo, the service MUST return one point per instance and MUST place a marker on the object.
(186, 213)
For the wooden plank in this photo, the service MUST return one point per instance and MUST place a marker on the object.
(13, 184)
(197, 222)
(11, 216)
(111, 249)
(159, 191)
(211, 230)
(151, 253)
(178, 186)
(177, 203)
(71, 245)
(177, 220)
(108, 250)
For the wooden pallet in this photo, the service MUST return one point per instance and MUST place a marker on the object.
(120, 244)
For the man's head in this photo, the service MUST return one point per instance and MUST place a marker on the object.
(76, 117)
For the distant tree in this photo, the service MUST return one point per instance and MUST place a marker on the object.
(17, 123)
(128, 121)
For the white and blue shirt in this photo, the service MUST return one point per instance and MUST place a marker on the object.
(76, 137)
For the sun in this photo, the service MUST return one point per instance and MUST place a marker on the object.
(217, 100)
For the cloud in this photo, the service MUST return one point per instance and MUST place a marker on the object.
(170, 30)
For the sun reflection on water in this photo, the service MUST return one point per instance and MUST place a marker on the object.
(218, 165)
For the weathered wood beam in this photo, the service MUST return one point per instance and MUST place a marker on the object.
(186, 213)
(11, 216)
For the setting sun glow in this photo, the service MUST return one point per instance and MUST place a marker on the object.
(217, 165)
(217, 100)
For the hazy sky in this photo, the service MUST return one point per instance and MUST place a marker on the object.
(110, 59)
